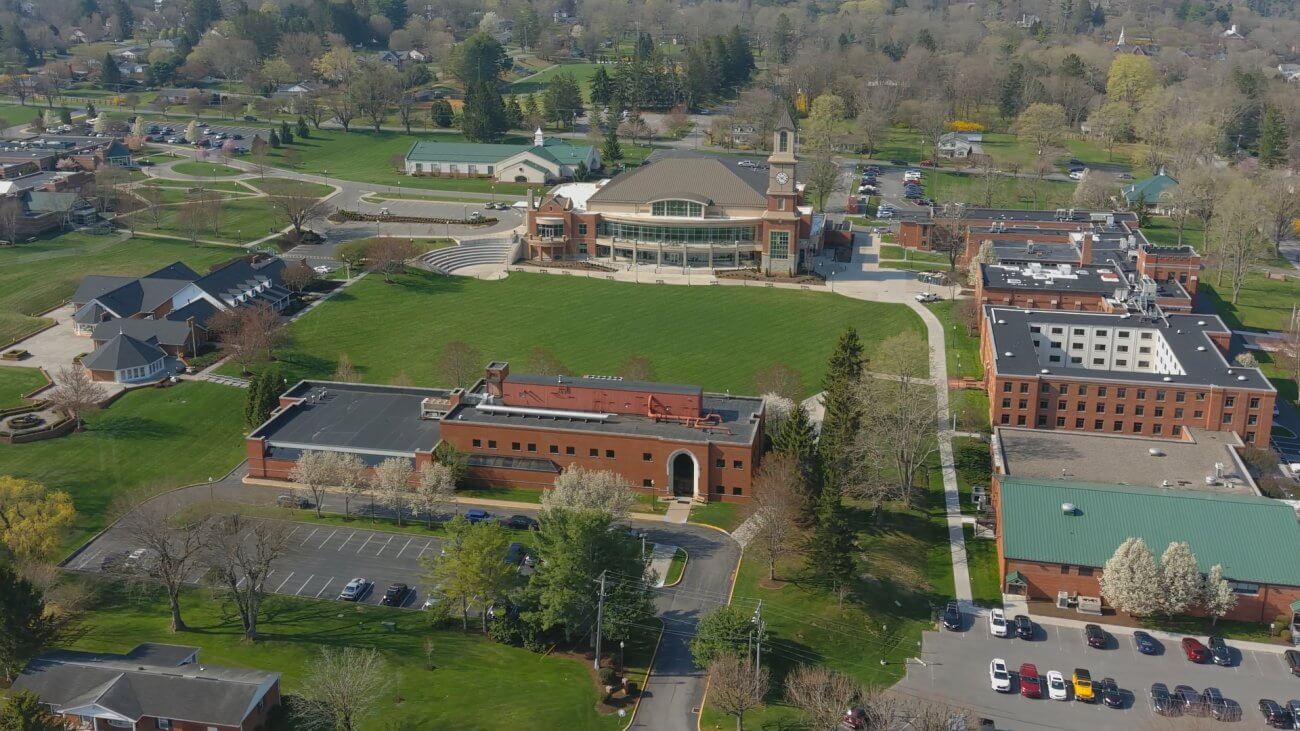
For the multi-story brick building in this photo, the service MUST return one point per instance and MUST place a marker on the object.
(1120, 373)
(1099, 288)
(522, 430)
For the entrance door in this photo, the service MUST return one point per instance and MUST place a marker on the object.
(683, 476)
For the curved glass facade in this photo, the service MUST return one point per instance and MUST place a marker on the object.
(677, 234)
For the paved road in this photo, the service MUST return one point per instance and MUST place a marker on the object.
(956, 671)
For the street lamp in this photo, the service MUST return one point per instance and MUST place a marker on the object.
(620, 653)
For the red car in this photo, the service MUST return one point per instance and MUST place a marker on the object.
(1195, 651)
(1031, 683)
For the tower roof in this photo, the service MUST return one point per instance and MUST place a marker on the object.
(785, 121)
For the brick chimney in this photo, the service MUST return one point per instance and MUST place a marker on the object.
(495, 376)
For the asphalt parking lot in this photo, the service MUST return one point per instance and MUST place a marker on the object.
(956, 665)
(178, 130)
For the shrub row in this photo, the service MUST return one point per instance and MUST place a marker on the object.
(346, 215)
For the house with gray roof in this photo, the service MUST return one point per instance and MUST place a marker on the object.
(546, 160)
(154, 686)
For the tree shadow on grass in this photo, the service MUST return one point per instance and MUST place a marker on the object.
(133, 428)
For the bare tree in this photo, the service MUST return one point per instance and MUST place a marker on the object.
(153, 200)
(406, 109)
(637, 368)
(300, 277)
(393, 484)
(190, 219)
(342, 107)
(342, 687)
(314, 469)
(248, 333)
(211, 205)
(1238, 233)
(460, 363)
(948, 236)
(822, 176)
(372, 89)
(238, 553)
(780, 379)
(10, 210)
(389, 255)
(774, 509)
(1281, 200)
(737, 687)
(174, 546)
(310, 107)
(344, 371)
(822, 695)
(542, 361)
(297, 206)
(76, 393)
(350, 477)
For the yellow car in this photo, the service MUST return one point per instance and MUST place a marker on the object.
(1082, 685)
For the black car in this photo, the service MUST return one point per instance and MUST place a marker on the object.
(396, 595)
(952, 616)
(1161, 702)
(1191, 702)
(1219, 651)
(1024, 627)
(898, 162)
(1274, 714)
(1215, 704)
(1146, 644)
(236, 136)
(1109, 693)
(520, 522)
(1096, 636)
(1292, 658)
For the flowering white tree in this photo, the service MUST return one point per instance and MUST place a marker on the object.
(437, 487)
(581, 489)
(392, 483)
(349, 474)
(1130, 581)
(776, 409)
(1217, 596)
(1180, 578)
(314, 470)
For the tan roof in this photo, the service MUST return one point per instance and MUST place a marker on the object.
(683, 177)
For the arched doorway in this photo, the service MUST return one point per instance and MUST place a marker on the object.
(684, 475)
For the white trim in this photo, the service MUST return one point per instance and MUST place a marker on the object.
(672, 458)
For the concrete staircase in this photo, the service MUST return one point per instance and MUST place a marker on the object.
(469, 253)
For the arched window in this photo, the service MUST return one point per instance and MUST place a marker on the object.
(783, 141)
(688, 209)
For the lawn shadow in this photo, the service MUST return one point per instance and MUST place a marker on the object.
(131, 427)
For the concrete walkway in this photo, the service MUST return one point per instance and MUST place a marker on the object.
(661, 559)
(678, 512)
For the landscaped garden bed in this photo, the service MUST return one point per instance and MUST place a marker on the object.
(755, 275)
(15, 354)
(342, 215)
(589, 266)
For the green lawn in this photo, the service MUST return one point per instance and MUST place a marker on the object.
(226, 186)
(282, 186)
(961, 347)
(972, 409)
(676, 568)
(974, 466)
(982, 561)
(15, 383)
(1002, 192)
(39, 276)
(149, 440)
(1264, 304)
(367, 157)
(242, 219)
(717, 514)
(905, 569)
(15, 114)
(582, 72)
(894, 251)
(206, 169)
(475, 683)
(913, 266)
(717, 337)
(1164, 232)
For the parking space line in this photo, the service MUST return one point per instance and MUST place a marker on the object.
(408, 545)
(89, 557)
(363, 545)
(295, 530)
(326, 586)
(381, 548)
(282, 583)
(345, 540)
(308, 538)
(327, 539)
(241, 581)
(427, 546)
(304, 584)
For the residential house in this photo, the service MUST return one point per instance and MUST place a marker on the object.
(1153, 192)
(960, 145)
(1289, 71)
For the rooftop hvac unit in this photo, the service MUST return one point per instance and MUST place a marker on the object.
(1155, 452)
(1069, 508)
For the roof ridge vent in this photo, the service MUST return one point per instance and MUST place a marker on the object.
(1069, 509)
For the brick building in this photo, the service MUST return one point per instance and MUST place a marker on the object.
(522, 430)
(683, 209)
(1100, 288)
(1120, 373)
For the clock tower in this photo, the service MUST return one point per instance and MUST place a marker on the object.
(780, 231)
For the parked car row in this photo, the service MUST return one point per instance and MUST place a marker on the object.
(1018, 626)
(1033, 685)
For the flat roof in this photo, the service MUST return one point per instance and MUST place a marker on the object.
(1090, 280)
(1187, 336)
(351, 417)
(1124, 459)
(1018, 214)
(739, 425)
(616, 384)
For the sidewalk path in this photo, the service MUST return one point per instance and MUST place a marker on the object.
(661, 559)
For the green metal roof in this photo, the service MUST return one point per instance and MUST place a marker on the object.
(554, 150)
(1150, 189)
(1255, 538)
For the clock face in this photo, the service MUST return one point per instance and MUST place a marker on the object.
(782, 178)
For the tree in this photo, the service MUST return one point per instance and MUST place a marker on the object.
(436, 488)
(248, 333)
(1280, 196)
(110, 77)
(389, 256)
(1130, 580)
(1217, 595)
(274, 140)
(600, 87)
(1237, 235)
(1130, 77)
(778, 495)
(460, 363)
(239, 555)
(1180, 579)
(344, 371)
(843, 415)
(610, 150)
(23, 711)
(637, 368)
(483, 118)
(736, 686)
(602, 491)
(1274, 143)
(342, 688)
(33, 518)
(1043, 124)
(563, 99)
(727, 631)
(10, 213)
(314, 470)
(479, 59)
(831, 547)
(75, 393)
(297, 206)
(822, 695)
(303, 130)
(174, 547)
(822, 177)
(393, 484)
(797, 436)
(263, 396)
(342, 106)
(1095, 190)
(544, 362)
(899, 414)
(26, 625)
(300, 277)
(350, 477)
(781, 379)
(373, 89)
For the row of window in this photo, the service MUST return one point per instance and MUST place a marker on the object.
(778, 246)
(1119, 362)
(680, 208)
(676, 234)
(1081, 332)
(1081, 389)
(570, 451)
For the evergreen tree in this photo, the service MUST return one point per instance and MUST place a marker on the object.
(264, 390)
(252, 400)
(1009, 93)
(514, 113)
(783, 42)
(610, 151)
(26, 628)
(1273, 138)
(125, 18)
(831, 547)
(600, 86)
(563, 99)
(798, 437)
(303, 130)
(740, 58)
(24, 46)
(843, 412)
(275, 139)
(110, 77)
(23, 711)
(442, 113)
(483, 118)
(286, 134)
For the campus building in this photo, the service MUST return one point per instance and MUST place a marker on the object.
(1065, 501)
(546, 160)
(522, 430)
(684, 209)
(1140, 375)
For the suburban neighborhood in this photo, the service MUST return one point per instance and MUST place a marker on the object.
(673, 366)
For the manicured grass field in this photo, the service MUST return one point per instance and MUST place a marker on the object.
(228, 186)
(15, 383)
(717, 514)
(475, 683)
(241, 220)
(906, 569)
(283, 186)
(972, 409)
(982, 561)
(16, 114)
(717, 337)
(1264, 304)
(581, 72)
(894, 251)
(206, 169)
(1001, 192)
(960, 346)
(149, 440)
(39, 276)
(1164, 232)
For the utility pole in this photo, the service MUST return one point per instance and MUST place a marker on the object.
(760, 625)
(600, 618)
